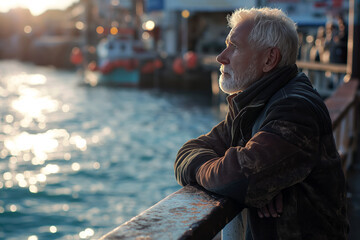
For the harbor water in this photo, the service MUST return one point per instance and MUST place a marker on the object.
(77, 161)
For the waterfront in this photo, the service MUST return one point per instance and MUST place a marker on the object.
(77, 161)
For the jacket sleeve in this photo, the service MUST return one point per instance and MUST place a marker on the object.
(197, 151)
(281, 154)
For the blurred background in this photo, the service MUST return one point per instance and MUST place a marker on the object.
(97, 96)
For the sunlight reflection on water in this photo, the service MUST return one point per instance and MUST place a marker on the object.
(77, 161)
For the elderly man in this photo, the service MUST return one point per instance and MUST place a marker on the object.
(274, 153)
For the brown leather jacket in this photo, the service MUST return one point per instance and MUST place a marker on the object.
(277, 137)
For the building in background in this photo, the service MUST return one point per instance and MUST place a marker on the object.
(192, 25)
(201, 25)
(172, 28)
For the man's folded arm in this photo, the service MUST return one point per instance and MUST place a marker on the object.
(280, 155)
(197, 151)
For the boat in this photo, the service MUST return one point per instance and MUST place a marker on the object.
(120, 62)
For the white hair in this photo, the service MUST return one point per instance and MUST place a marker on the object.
(272, 28)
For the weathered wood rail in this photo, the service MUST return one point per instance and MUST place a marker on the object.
(343, 110)
(325, 77)
(192, 213)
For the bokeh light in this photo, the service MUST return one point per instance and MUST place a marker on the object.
(145, 35)
(75, 166)
(148, 25)
(27, 29)
(53, 229)
(185, 13)
(100, 30)
(79, 25)
(114, 30)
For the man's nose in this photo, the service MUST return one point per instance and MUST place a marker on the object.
(223, 58)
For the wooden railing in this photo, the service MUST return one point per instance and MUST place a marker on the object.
(343, 107)
(189, 213)
(193, 213)
(326, 78)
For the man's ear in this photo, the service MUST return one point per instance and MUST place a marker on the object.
(272, 59)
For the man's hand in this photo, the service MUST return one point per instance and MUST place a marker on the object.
(273, 209)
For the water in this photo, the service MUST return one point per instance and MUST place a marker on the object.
(76, 161)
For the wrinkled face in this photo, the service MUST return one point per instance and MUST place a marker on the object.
(240, 62)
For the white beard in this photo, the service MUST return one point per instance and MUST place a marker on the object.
(230, 85)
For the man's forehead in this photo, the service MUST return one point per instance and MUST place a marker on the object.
(240, 31)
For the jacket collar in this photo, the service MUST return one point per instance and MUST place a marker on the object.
(258, 93)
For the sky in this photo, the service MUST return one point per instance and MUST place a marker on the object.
(36, 7)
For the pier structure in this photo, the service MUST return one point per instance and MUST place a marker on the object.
(194, 213)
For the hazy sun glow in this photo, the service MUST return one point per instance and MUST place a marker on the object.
(36, 7)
